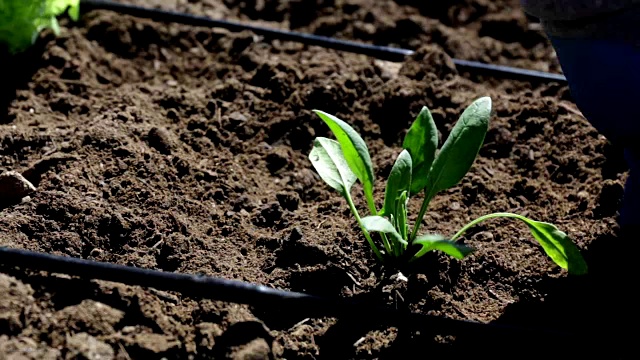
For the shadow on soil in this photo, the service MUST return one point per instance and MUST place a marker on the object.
(18, 71)
(598, 308)
(595, 309)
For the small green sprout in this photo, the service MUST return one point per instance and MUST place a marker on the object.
(421, 168)
(22, 20)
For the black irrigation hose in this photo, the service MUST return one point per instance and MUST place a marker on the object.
(259, 296)
(380, 52)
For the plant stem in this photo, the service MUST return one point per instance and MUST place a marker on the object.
(354, 211)
(483, 218)
(394, 245)
(386, 243)
(401, 222)
(423, 210)
(371, 203)
(373, 211)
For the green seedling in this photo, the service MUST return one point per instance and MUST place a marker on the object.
(22, 20)
(421, 168)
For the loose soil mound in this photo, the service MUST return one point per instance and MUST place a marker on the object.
(185, 149)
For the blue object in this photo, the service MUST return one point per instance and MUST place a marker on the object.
(604, 79)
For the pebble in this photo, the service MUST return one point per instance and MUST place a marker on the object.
(14, 187)
(583, 195)
(161, 140)
(237, 118)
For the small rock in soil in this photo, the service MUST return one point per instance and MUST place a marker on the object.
(89, 316)
(388, 70)
(23, 348)
(237, 119)
(583, 195)
(13, 187)
(161, 140)
(399, 277)
(15, 297)
(85, 346)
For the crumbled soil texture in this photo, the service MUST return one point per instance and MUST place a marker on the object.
(185, 150)
(491, 31)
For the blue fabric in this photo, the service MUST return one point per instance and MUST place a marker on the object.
(604, 79)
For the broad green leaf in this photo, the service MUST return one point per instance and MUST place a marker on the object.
(21, 21)
(74, 11)
(421, 142)
(328, 160)
(437, 242)
(461, 147)
(57, 7)
(399, 181)
(355, 152)
(376, 223)
(558, 246)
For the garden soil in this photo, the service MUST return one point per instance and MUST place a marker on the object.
(186, 149)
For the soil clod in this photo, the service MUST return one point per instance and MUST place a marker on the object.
(14, 187)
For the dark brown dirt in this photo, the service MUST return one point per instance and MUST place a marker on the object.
(493, 31)
(185, 149)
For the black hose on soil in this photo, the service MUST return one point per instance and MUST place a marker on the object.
(258, 295)
(380, 52)
(301, 304)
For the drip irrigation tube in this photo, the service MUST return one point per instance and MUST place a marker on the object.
(258, 295)
(380, 52)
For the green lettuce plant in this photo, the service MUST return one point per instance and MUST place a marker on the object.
(420, 167)
(22, 20)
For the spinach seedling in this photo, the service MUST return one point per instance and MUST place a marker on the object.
(420, 167)
(22, 20)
